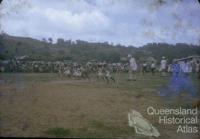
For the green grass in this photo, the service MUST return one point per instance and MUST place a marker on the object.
(103, 129)
(99, 125)
(29, 77)
(58, 132)
(144, 89)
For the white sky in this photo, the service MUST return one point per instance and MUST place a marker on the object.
(128, 22)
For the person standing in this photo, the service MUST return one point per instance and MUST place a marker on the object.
(153, 67)
(197, 70)
(132, 68)
(163, 65)
(144, 67)
(185, 68)
(197, 66)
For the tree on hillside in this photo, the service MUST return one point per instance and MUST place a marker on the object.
(50, 40)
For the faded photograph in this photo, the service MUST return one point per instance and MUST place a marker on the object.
(125, 69)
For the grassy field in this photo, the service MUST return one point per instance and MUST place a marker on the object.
(46, 105)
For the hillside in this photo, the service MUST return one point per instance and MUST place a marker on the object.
(81, 51)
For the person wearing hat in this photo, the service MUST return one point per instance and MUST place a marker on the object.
(163, 65)
(132, 68)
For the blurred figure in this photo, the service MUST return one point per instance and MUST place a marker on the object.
(198, 69)
(193, 66)
(153, 67)
(144, 67)
(109, 77)
(163, 64)
(132, 68)
(169, 68)
(100, 73)
(179, 82)
(185, 68)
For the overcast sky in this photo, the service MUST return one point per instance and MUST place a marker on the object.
(128, 22)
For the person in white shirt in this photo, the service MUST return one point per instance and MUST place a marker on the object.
(144, 67)
(169, 68)
(163, 65)
(197, 66)
(132, 67)
(185, 67)
(153, 67)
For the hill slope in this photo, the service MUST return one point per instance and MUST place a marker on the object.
(11, 47)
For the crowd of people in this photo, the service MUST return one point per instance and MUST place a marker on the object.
(102, 69)
(180, 81)
(186, 67)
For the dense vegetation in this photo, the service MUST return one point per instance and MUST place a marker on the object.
(81, 51)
